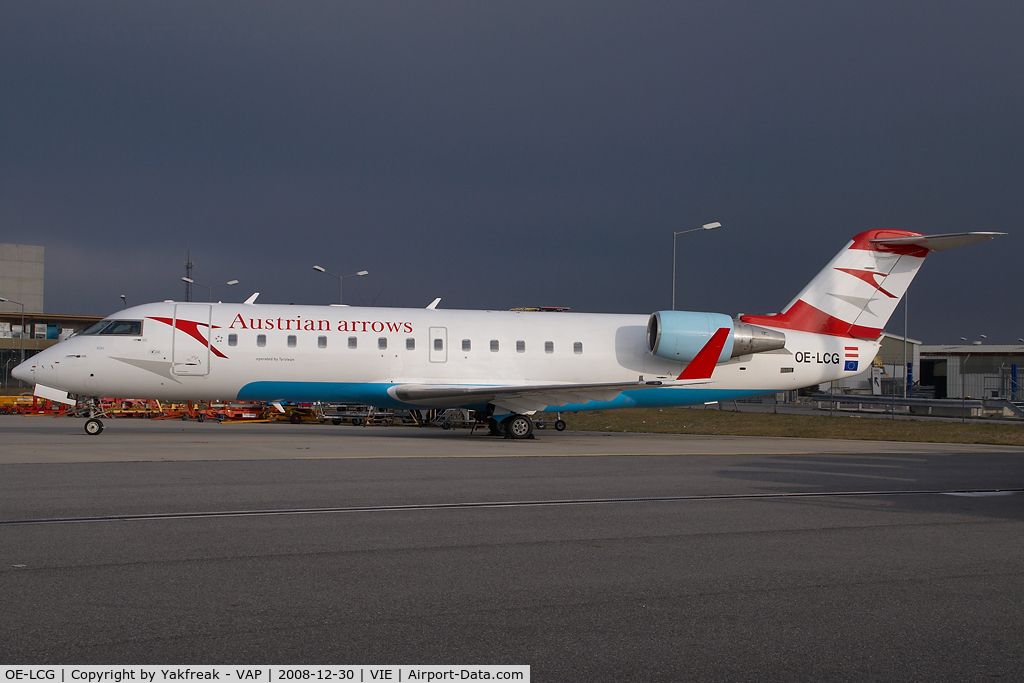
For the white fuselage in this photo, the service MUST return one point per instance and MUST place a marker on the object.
(354, 354)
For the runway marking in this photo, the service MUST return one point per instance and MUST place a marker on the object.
(505, 504)
(757, 468)
(980, 494)
(579, 455)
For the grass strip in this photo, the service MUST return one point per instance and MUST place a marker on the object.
(723, 422)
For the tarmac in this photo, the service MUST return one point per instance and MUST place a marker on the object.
(587, 556)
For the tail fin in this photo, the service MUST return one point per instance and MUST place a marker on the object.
(854, 295)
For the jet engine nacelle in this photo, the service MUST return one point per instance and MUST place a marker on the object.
(680, 335)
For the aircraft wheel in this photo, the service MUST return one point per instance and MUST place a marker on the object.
(518, 426)
(295, 418)
(495, 428)
(560, 425)
(93, 426)
(335, 420)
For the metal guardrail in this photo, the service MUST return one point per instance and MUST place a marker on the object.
(949, 404)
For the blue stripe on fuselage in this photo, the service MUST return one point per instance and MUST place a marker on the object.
(376, 394)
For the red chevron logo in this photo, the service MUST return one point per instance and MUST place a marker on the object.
(868, 276)
(191, 328)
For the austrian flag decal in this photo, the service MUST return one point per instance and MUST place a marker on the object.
(851, 353)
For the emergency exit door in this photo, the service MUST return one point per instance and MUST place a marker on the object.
(438, 344)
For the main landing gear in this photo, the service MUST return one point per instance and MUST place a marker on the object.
(512, 427)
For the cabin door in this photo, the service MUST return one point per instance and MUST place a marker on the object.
(190, 347)
(438, 344)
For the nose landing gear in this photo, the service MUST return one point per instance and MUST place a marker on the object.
(93, 425)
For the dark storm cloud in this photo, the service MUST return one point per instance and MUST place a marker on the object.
(512, 154)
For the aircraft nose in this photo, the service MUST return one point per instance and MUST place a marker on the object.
(25, 371)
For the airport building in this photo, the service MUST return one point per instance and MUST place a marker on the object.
(24, 329)
(21, 278)
(974, 370)
(939, 371)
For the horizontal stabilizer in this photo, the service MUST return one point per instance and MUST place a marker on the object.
(938, 242)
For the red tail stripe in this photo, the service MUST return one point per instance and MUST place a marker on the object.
(802, 316)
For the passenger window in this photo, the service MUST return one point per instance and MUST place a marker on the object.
(321, 342)
(232, 340)
(549, 347)
(520, 346)
(439, 344)
(382, 343)
(261, 340)
(291, 341)
(494, 345)
(351, 342)
(410, 344)
(467, 345)
(577, 347)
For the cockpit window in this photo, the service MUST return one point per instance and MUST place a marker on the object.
(129, 328)
(96, 327)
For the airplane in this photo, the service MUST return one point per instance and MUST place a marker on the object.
(503, 365)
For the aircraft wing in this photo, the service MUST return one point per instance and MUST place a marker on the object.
(525, 399)
(528, 399)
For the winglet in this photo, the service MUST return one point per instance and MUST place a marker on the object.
(703, 364)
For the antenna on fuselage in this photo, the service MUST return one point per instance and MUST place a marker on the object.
(251, 299)
(433, 304)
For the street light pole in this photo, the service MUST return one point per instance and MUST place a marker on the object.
(361, 273)
(706, 226)
(906, 305)
(963, 390)
(208, 287)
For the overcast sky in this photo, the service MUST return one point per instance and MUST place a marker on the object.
(500, 154)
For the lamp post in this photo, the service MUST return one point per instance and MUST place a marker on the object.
(9, 301)
(963, 390)
(7, 373)
(340, 278)
(963, 381)
(208, 287)
(706, 226)
(906, 305)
